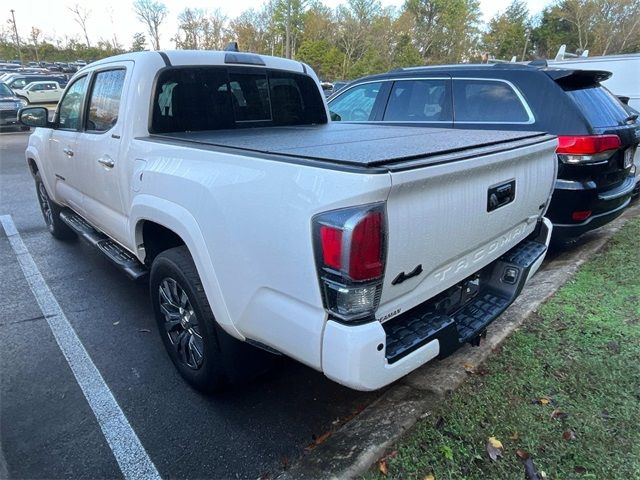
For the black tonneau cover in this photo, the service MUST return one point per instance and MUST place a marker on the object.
(358, 145)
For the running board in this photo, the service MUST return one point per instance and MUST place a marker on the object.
(119, 256)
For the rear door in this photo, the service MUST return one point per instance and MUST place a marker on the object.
(98, 152)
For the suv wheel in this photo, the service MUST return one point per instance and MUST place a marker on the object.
(51, 213)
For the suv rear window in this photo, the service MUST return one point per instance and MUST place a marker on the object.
(216, 98)
(599, 106)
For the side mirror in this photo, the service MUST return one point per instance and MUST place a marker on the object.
(34, 117)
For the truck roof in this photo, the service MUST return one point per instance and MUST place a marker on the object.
(358, 145)
(201, 57)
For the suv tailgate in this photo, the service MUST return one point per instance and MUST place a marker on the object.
(439, 223)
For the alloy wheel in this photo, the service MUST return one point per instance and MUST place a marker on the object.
(181, 323)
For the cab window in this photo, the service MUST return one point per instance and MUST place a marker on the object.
(487, 101)
(104, 102)
(70, 106)
(426, 100)
(356, 104)
(216, 98)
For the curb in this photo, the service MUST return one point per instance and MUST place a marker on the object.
(351, 450)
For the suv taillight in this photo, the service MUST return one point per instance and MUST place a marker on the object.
(587, 148)
(350, 251)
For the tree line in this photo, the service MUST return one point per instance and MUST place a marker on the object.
(361, 37)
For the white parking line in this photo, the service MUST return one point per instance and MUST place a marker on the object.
(131, 456)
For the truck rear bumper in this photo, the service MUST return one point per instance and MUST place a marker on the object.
(372, 355)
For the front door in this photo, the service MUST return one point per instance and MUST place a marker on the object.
(63, 145)
(99, 149)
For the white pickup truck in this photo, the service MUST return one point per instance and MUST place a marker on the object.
(362, 251)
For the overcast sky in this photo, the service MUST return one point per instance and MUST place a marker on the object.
(117, 17)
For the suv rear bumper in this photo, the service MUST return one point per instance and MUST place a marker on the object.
(372, 355)
(572, 196)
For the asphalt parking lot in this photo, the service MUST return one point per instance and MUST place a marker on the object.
(47, 428)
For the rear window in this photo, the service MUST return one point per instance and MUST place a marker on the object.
(215, 98)
(599, 106)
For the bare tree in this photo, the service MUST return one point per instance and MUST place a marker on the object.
(81, 16)
(152, 14)
(36, 33)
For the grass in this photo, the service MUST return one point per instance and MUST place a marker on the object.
(580, 358)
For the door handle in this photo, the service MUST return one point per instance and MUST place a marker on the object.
(106, 162)
(68, 152)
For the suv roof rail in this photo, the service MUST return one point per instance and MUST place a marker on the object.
(563, 54)
(540, 62)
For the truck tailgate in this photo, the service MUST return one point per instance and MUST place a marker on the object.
(444, 225)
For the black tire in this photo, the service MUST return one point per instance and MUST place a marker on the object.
(224, 359)
(51, 213)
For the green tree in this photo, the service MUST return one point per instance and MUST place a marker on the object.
(508, 33)
(445, 30)
(139, 42)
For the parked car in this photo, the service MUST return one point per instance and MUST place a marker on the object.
(40, 92)
(20, 81)
(598, 137)
(361, 251)
(9, 107)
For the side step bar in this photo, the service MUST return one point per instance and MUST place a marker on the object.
(119, 256)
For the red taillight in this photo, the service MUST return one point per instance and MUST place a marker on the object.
(365, 259)
(586, 148)
(331, 241)
(580, 215)
(350, 248)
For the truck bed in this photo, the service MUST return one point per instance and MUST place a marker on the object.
(359, 145)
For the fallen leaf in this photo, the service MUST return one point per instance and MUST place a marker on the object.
(469, 368)
(429, 476)
(544, 401)
(515, 436)
(318, 440)
(494, 448)
(382, 467)
(558, 415)
(569, 435)
(522, 455)
(144, 330)
(579, 469)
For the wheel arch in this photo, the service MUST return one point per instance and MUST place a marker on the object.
(158, 216)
